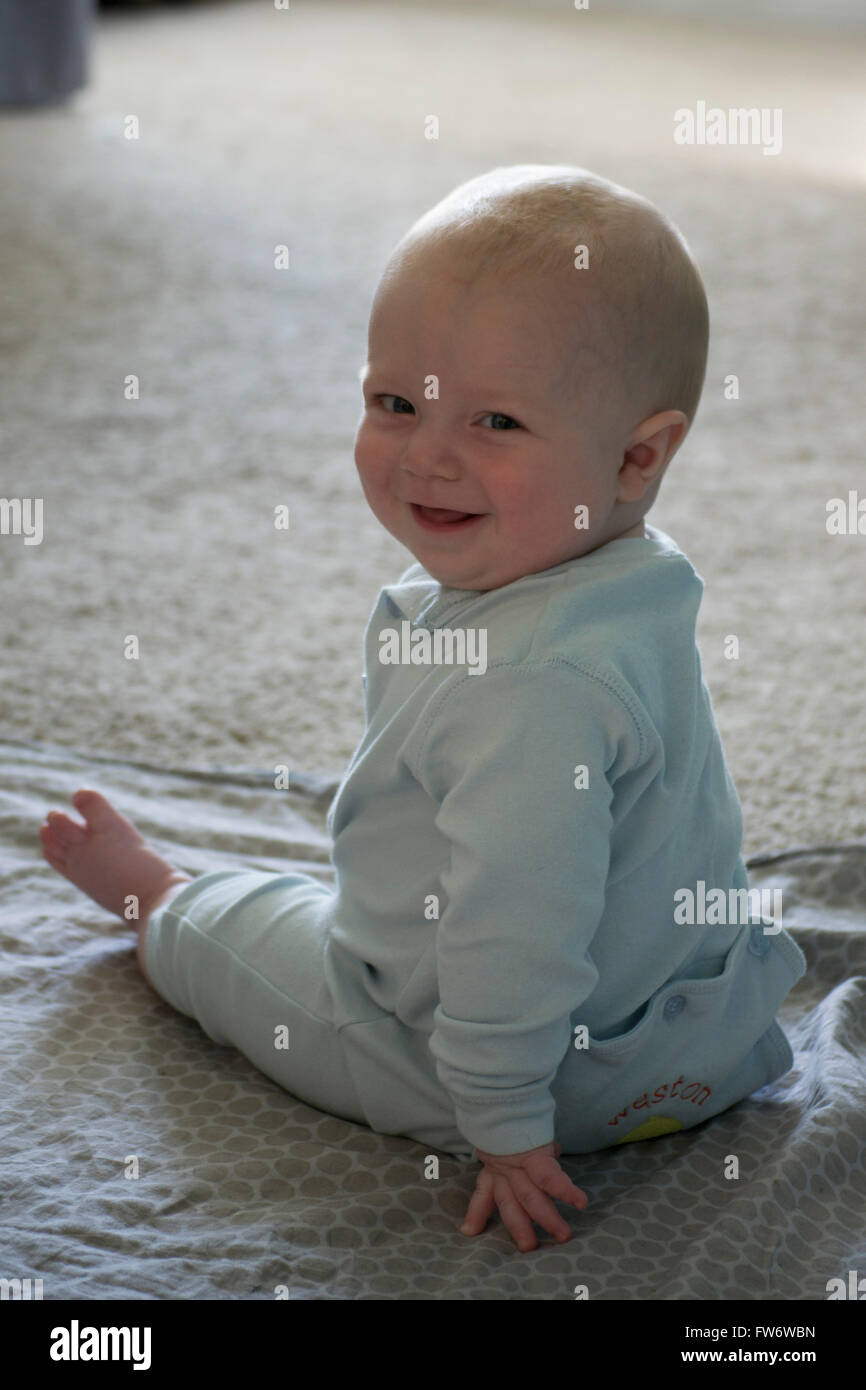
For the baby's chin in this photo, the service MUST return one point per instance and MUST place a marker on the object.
(457, 576)
(450, 575)
(473, 563)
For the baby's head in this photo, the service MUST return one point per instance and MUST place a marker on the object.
(514, 377)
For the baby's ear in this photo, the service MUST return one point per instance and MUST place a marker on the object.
(648, 452)
(633, 479)
(678, 428)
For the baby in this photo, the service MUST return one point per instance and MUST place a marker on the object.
(507, 967)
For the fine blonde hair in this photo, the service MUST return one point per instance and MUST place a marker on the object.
(651, 320)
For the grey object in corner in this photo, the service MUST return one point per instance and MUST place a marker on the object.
(43, 49)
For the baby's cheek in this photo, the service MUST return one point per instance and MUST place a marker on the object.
(535, 517)
(370, 451)
(371, 472)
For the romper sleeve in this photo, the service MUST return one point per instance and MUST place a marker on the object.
(524, 883)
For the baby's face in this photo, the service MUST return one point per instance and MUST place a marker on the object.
(516, 438)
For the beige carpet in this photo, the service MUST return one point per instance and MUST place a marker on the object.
(154, 257)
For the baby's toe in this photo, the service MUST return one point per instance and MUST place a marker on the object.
(66, 831)
(52, 849)
(97, 810)
(88, 797)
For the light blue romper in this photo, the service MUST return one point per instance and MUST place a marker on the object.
(539, 926)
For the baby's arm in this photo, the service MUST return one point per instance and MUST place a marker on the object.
(523, 888)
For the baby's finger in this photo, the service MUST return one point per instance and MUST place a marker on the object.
(561, 1187)
(515, 1219)
(547, 1175)
(539, 1206)
(480, 1207)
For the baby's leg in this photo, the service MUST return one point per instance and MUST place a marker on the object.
(248, 963)
(108, 860)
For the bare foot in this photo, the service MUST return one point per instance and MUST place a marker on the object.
(106, 857)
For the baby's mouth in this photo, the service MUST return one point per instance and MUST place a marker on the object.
(443, 518)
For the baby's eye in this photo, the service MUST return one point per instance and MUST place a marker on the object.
(402, 399)
(496, 415)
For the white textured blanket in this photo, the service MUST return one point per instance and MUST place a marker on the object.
(240, 1188)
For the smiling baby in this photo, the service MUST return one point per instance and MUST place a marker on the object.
(500, 968)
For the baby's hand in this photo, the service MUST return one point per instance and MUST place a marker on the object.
(516, 1184)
